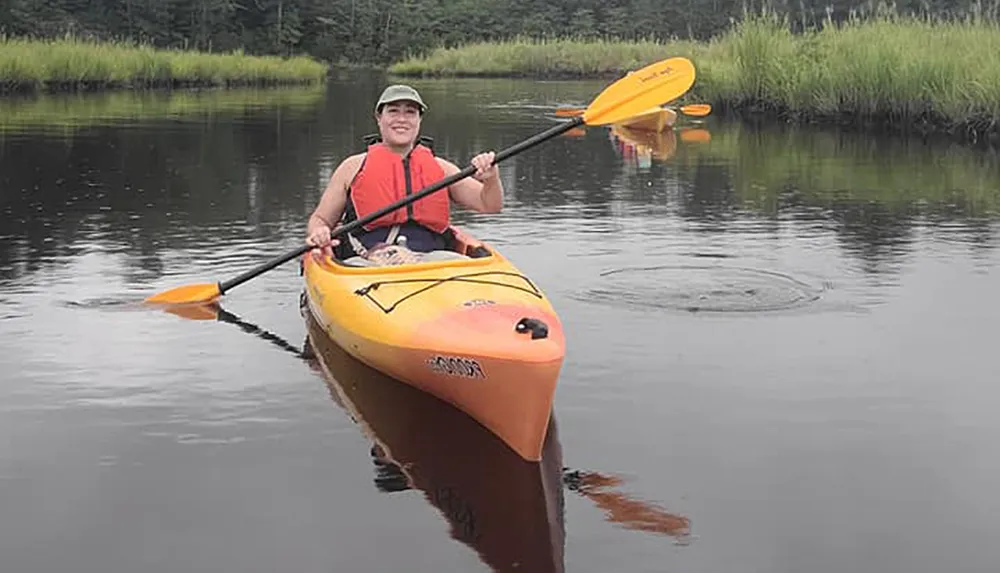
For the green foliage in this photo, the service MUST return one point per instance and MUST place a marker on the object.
(573, 56)
(905, 69)
(384, 31)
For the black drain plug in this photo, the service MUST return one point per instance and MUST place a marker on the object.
(537, 328)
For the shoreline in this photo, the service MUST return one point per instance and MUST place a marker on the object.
(71, 87)
(554, 75)
(977, 131)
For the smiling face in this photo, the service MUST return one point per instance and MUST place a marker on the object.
(399, 123)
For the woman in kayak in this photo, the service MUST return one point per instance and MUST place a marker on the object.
(389, 170)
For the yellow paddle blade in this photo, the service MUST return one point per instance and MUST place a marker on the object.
(696, 109)
(187, 294)
(653, 85)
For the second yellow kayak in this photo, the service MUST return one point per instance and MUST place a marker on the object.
(654, 119)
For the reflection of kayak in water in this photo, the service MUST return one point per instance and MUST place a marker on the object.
(655, 119)
(510, 511)
(507, 509)
(660, 145)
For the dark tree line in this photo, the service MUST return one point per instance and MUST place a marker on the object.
(380, 31)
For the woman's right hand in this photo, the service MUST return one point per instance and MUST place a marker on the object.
(322, 242)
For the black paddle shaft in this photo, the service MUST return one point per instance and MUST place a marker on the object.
(500, 156)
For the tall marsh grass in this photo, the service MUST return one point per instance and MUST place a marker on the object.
(895, 70)
(74, 64)
(564, 57)
(891, 69)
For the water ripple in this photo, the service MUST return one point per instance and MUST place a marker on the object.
(698, 288)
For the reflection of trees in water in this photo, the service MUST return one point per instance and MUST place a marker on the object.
(140, 191)
(878, 236)
(873, 192)
(563, 172)
(708, 198)
(164, 184)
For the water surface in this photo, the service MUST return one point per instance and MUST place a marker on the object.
(781, 348)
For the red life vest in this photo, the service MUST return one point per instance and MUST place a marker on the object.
(385, 177)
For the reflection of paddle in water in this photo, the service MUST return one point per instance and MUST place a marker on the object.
(619, 508)
(695, 135)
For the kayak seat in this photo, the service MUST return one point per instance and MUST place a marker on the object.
(438, 255)
(357, 262)
(442, 255)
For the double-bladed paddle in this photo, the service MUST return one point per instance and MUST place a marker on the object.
(693, 110)
(655, 84)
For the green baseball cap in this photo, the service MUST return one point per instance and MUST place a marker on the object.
(400, 92)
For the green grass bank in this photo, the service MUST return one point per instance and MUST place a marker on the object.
(894, 72)
(72, 64)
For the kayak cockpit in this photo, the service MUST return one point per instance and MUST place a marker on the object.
(414, 257)
(461, 247)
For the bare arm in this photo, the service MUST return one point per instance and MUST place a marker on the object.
(483, 192)
(331, 205)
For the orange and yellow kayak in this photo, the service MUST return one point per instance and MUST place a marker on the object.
(654, 119)
(462, 325)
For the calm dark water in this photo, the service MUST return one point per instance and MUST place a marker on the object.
(782, 348)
